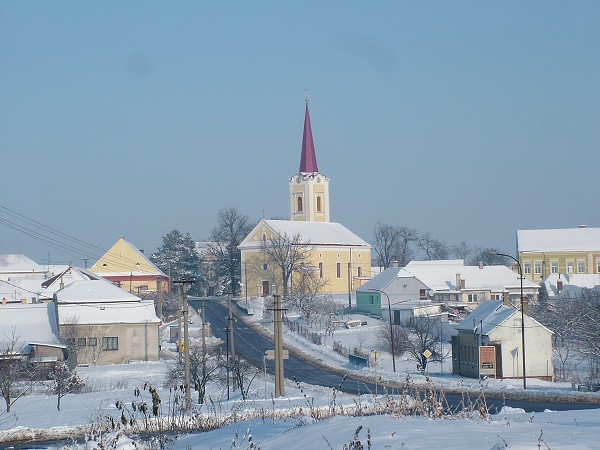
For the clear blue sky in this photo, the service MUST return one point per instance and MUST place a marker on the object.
(467, 120)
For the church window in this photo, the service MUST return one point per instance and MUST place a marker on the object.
(338, 269)
(265, 267)
(264, 237)
(360, 274)
(320, 270)
(299, 204)
(319, 204)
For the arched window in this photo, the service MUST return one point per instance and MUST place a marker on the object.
(319, 204)
(264, 266)
(338, 270)
(299, 204)
(264, 237)
(320, 270)
(359, 271)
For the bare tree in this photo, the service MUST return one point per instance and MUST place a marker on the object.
(488, 256)
(462, 250)
(64, 381)
(203, 370)
(393, 244)
(243, 373)
(398, 333)
(423, 334)
(433, 249)
(13, 368)
(307, 292)
(288, 253)
(232, 227)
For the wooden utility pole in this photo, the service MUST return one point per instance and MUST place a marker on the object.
(278, 341)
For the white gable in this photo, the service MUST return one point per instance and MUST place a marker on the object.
(94, 291)
(138, 312)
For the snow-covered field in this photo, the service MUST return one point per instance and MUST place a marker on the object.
(513, 429)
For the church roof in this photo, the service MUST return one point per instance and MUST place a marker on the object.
(308, 159)
(312, 233)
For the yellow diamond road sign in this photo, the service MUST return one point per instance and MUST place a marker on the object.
(427, 354)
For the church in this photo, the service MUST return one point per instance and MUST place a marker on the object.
(337, 256)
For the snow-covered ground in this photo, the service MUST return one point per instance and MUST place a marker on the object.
(296, 429)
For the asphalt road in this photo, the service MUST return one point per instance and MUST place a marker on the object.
(252, 346)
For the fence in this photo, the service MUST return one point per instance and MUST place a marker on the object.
(296, 327)
(347, 351)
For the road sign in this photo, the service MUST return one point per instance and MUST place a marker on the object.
(427, 354)
(270, 354)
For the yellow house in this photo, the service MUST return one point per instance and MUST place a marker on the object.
(338, 256)
(565, 251)
(128, 268)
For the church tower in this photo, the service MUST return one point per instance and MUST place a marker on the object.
(309, 189)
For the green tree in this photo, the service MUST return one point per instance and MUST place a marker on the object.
(178, 256)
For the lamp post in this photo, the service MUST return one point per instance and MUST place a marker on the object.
(391, 329)
(522, 315)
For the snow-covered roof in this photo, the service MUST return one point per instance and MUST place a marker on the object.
(382, 280)
(441, 275)
(581, 239)
(572, 284)
(488, 315)
(30, 324)
(94, 291)
(139, 312)
(16, 263)
(41, 286)
(312, 233)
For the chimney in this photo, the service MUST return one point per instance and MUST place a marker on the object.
(4, 301)
(481, 264)
(24, 301)
(395, 263)
(506, 298)
(142, 251)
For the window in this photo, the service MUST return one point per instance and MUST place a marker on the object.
(472, 298)
(110, 343)
(527, 268)
(537, 267)
(320, 270)
(495, 297)
(598, 265)
(81, 342)
(71, 342)
(92, 342)
(264, 237)
(143, 287)
(265, 267)
(299, 204)
(372, 299)
(581, 266)
(360, 274)
(422, 294)
(338, 269)
(569, 266)
(553, 266)
(319, 204)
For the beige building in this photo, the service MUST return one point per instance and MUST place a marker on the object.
(107, 325)
(337, 256)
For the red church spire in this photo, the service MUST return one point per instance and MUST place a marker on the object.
(308, 160)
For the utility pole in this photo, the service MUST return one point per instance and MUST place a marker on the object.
(230, 319)
(278, 341)
(186, 340)
(349, 286)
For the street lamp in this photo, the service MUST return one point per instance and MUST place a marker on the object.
(391, 329)
(522, 315)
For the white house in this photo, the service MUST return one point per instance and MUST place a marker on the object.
(497, 326)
